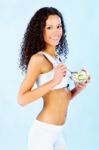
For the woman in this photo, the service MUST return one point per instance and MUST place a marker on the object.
(44, 39)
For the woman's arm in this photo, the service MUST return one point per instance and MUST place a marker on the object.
(26, 94)
(31, 95)
(78, 88)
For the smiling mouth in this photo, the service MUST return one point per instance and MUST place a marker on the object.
(55, 38)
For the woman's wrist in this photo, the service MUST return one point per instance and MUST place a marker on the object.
(53, 82)
(74, 92)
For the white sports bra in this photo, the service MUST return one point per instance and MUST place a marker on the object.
(45, 77)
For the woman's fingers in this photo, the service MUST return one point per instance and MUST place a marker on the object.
(61, 67)
(60, 72)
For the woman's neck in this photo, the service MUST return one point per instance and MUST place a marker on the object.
(51, 51)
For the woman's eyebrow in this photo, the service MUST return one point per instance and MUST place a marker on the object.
(52, 25)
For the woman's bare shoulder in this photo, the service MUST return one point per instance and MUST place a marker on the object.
(38, 58)
(36, 63)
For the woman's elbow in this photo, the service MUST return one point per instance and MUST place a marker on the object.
(20, 100)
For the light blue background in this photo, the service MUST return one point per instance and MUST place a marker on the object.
(82, 24)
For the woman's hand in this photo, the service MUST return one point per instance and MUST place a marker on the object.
(79, 87)
(59, 73)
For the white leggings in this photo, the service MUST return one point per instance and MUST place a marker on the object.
(44, 136)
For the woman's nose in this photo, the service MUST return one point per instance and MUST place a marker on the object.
(56, 32)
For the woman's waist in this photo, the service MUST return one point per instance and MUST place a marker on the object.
(56, 104)
(52, 116)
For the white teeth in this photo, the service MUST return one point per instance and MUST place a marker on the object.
(55, 38)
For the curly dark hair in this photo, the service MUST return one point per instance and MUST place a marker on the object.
(33, 40)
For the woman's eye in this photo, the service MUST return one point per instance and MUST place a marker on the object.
(59, 26)
(49, 28)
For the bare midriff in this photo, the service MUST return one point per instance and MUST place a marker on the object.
(55, 107)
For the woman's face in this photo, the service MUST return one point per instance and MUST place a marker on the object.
(52, 31)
